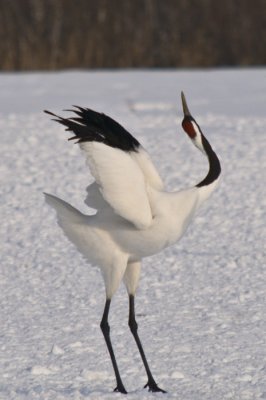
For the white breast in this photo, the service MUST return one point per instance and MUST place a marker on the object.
(172, 214)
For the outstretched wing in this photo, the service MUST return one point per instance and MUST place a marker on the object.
(121, 182)
(120, 166)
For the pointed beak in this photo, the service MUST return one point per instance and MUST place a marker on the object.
(185, 107)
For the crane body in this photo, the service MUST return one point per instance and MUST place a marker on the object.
(135, 217)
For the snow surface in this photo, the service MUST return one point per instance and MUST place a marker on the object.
(201, 303)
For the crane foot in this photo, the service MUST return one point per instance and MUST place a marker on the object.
(120, 389)
(153, 387)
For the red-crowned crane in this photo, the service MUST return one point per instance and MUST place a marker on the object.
(135, 217)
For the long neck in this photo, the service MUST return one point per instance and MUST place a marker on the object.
(190, 126)
(214, 164)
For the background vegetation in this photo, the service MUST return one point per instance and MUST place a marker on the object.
(54, 34)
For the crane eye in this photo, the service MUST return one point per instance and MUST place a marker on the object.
(189, 128)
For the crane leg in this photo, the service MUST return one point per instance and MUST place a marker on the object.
(105, 327)
(151, 384)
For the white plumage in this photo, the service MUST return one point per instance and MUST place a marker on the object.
(121, 180)
(134, 217)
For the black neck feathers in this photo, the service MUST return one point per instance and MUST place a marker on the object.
(214, 164)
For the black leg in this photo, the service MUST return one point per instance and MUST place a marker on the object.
(151, 384)
(106, 333)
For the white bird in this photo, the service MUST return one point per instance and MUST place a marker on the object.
(135, 217)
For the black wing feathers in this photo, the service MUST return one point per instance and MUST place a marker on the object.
(91, 126)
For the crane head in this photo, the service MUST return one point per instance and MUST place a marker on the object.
(189, 124)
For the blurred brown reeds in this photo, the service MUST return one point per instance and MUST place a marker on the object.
(55, 34)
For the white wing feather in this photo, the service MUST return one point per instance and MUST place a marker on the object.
(149, 171)
(94, 197)
(121, 180)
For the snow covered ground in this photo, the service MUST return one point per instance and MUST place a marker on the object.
(201, 303)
